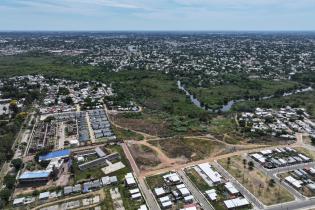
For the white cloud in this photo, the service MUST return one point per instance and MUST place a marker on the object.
(105, 3)
(246, 3)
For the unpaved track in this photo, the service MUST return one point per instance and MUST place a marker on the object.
(211, 159)
(173, 165)
(161, 155)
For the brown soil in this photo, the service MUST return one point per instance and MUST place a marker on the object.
(144, 156)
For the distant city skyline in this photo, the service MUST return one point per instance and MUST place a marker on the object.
(156, 15)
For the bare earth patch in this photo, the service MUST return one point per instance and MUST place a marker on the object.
(191, 149)
(147, 125)
(144, 156)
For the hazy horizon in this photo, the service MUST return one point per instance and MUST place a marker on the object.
(157, 15)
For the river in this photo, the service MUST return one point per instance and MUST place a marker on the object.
(227, 107)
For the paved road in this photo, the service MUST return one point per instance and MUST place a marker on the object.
(149, 197)
(288, 168)
(199, 197)
(288, 187)
(273, 174)
(302, 203)
(239, 186)
(88, 120)
(308, 204)
(30, 138)
(133, 163)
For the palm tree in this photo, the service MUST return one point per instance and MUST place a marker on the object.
(228, 162)
(244, 167)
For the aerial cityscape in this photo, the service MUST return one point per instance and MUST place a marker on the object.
(157, 105)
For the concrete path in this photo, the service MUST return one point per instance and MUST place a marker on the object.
(199, 197)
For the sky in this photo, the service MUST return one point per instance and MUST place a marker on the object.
(182, 15)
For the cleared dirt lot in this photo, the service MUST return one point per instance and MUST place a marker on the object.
(189, 148)
(256, 182)
(147, 124)
(144, 156)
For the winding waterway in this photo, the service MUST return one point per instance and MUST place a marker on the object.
(227, 107)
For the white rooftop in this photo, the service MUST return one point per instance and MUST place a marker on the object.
(230, 187)
(236, 202)
(184, 191)
(159, 191)
(214, 176)
(44, 195)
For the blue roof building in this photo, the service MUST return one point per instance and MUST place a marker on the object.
(34, 176)
(56, 154)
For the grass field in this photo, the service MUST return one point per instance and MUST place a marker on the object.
(152, 124)
(256, 182)
(167, 111)
(189, 148)
(122, 172)
(197, 179)
(123, 134)
(97, 173)
(107, 204)
(226, 129)
(309, 153)
(155, 181)
(160, 124)
(128, 202)
(81, 176)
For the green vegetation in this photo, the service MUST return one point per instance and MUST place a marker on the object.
(17, 163)
(108, 202)
(155, 181)
(167, 111)
(122, 172)
(303, 100)
(6, 192)
(9, 181)
(161, 124)
(81, 176)
(226, 129)
(123, 134)
(156, 92)
(97, 173)
(306, 152)
(216, 96)
(46, 65)
(203, 186)
(5, 195)
(128, 202)
(197, 179)
(307, 78)
(8, 131)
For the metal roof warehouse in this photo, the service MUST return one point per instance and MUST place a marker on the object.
(56, 154)
(34, 175)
